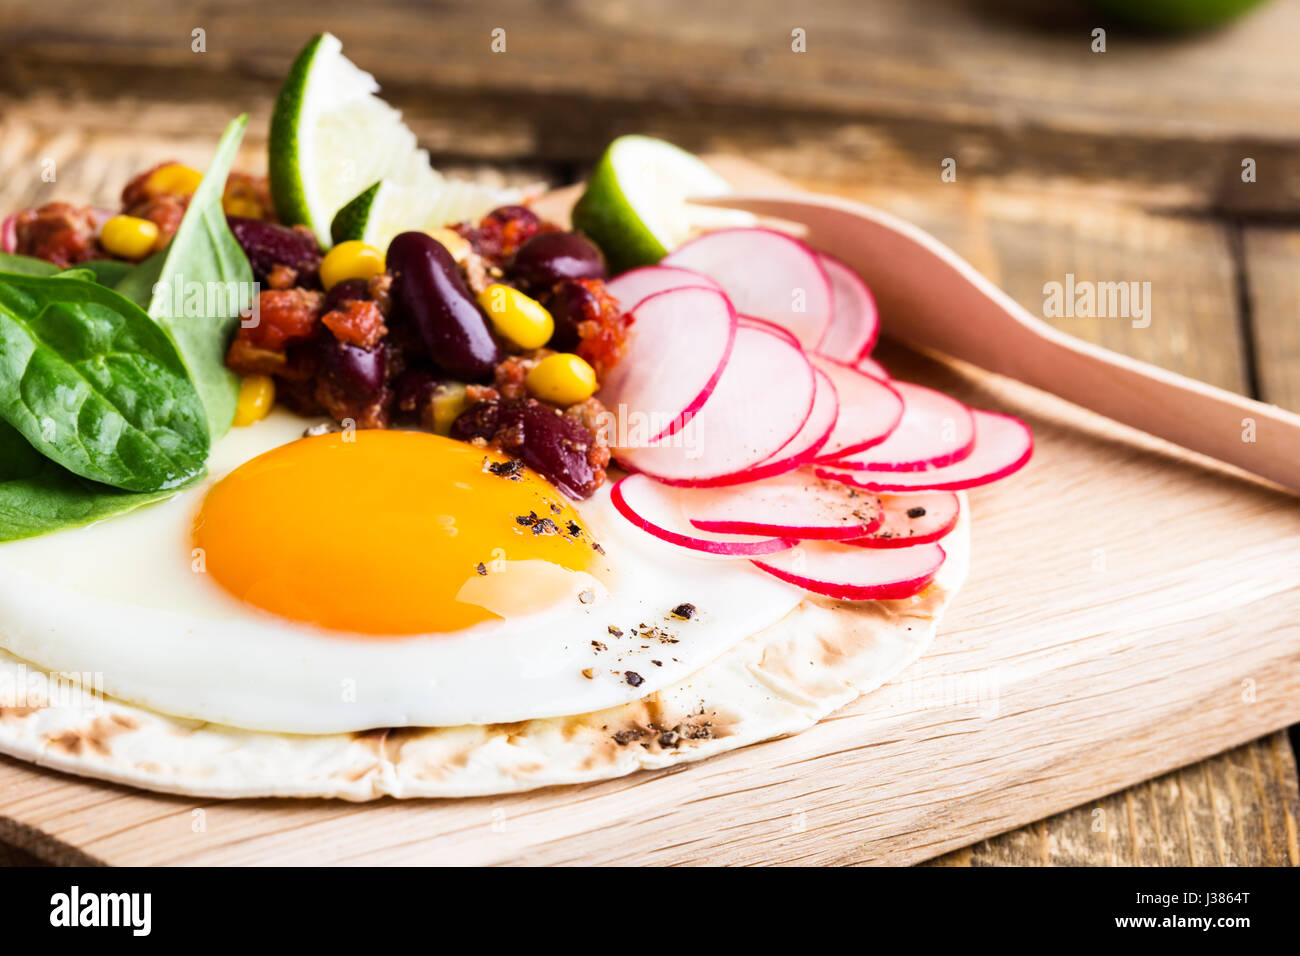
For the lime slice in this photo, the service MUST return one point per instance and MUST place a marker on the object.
(635, 205)
(387, 208)
(332, 138)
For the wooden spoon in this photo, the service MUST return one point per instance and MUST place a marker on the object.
(932, 298)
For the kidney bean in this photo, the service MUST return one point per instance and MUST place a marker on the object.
(268, 244)
(570, 304)
(549, 257)
(430, 295)
(519, 216)
(348, 290)
(413, 389)
(547, 442)
(359, 372)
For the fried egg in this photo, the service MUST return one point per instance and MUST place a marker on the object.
(367, 579)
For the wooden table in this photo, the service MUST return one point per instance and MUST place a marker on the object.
(1123, 165)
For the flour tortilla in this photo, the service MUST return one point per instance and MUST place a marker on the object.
(777, 682)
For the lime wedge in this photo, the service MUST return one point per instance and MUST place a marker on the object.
(387, 208)
(332, 138)
(635, 206)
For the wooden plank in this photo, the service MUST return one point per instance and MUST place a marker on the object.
(12, 856)
(1009, 91)
(1272, 266)
(1237, 809)
(948, 60)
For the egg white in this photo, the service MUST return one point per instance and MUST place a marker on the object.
(127, 600)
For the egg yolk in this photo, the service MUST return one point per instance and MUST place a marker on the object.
(391, 533)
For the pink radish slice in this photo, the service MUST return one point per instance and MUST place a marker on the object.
(912, 519)
(9, 234)
(680, 342)
(803, 448)
(770, 327)
(766, 274)
(935, 430)
(760, 404)
(869, 409)
(856, 574)
(657, 509)
(1002, 445)
(796, 504)
(873, 368)
(854, 321)
(633, 288)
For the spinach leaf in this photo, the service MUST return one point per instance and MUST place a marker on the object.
(203, 251)
(37, 496)
(95, 385)
(26, 265)
(107, 272)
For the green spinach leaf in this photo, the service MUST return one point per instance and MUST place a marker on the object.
(37, 496)
(26, 265)
(203, 251)
(107, 272)
(95, 385)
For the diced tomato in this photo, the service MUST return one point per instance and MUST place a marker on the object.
(356, 322)
(285, 315)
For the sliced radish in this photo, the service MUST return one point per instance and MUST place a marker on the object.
(935, 430)
(1002, 445)
(854, 320)
(766, 274)
(856, 574)
(803, 448)
(912, 519)
(869, 409)
(760, 405)
(873, 368)
(9, 234)
(657, 509)
(797, 504)
(770, 327)
(634, 287)
(680, 342)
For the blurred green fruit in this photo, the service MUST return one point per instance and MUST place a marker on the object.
(1176, 14)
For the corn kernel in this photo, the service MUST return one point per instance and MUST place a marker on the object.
(562, 379)
(448, 401)
(241, 206)
(256, 398)
(350, 260)
(129, 237)
(516, 317)
(173, 179)
(454, 243)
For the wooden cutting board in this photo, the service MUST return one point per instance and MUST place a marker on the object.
(1129, 610)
